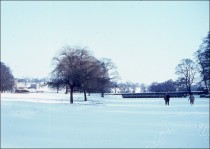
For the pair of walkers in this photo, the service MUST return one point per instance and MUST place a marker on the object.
(167, 99)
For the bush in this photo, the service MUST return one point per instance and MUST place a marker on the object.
(21, 91)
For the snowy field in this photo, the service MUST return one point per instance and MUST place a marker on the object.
(40, 120)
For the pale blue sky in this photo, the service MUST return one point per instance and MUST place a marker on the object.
(145, 39)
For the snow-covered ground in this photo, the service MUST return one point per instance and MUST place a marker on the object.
(41, 120)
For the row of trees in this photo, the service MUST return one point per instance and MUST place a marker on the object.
(128, 87)
(167, 86)
(172, 86)
(76, 68)
(191, 74)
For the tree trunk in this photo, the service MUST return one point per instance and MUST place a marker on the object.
(71, 94)
(88, 93)
(66, 90)
(189, 89)
(85, 97)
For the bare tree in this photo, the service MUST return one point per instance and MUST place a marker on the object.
(70, 65)
(89, 74)
(143, 88)
(123, 88)
(114, 86)
(7, 79)
(56, 83)
(133, 87)
(180, 84)
(203, 59)
(107, 73)
(128, 87)
(187, 69)
(78, 69)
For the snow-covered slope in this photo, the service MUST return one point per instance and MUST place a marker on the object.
(48, 120)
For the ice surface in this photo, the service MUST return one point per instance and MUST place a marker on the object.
(41, 120)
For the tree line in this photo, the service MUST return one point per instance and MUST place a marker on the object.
(76, 69)
(187, 71)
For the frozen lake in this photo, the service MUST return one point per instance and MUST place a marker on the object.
(41, 120)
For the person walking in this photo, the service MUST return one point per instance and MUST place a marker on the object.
(167, 99)
(191, 98)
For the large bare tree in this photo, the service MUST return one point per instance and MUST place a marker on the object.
(203, 59)
(70, 66)
(187, 70)
(78, 68)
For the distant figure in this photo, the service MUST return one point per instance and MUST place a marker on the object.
(191, 98)
(167, 99)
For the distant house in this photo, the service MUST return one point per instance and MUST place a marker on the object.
(20, 85)
(34, 85)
